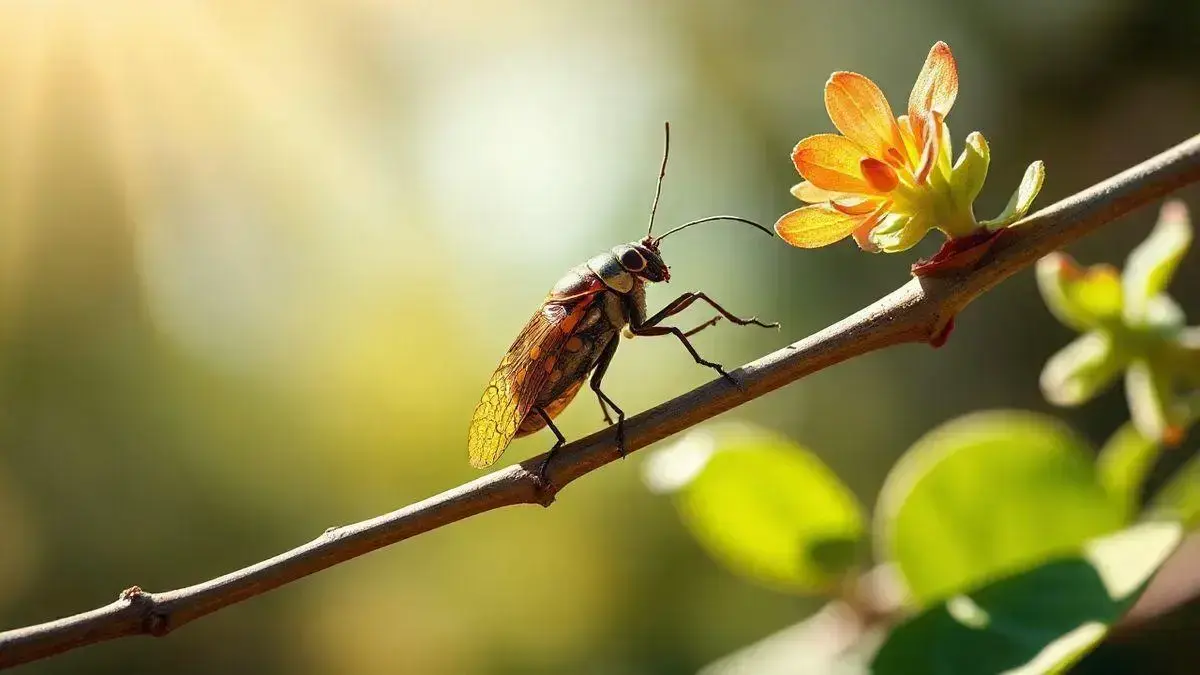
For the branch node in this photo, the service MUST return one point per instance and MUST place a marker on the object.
(158, 623)
(942, 333)
(544, 494)
(544, 489)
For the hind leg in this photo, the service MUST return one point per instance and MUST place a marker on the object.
(562, 440)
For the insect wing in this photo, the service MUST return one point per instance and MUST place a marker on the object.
(519, 379)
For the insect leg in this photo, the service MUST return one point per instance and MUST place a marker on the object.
(672, 330)
(711, 322)
(684, 301)
(606, 358)
(562, 440)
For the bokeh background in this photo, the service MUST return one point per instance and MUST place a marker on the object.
(258, 260)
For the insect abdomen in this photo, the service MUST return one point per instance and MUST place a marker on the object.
(575, 360)
(534, 421)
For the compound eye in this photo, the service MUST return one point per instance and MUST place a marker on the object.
(632, 260)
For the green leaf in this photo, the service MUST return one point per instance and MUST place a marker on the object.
(985, 495)
(1080, 298)
(970, 171)
(1151, 265)
(1022, 198)
(1081, 370)
(1123, 464)
(1037, 621)
(764, 506)
(826, 643)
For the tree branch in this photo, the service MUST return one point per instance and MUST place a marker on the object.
(919, 311)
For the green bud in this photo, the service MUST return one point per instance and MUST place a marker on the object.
(1022, 198)
(1149, 395)
(1080, 298)
(899, 232)
(970, 171)
(1151, 265)
(1162, 315)
(1081, 370)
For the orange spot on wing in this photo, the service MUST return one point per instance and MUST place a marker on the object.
(574, 344)
(504, 409)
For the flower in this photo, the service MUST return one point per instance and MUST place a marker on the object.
(888, 180)
(1129, 324)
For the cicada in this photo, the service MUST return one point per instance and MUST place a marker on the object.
(574, 334)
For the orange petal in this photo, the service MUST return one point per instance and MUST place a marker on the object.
(807, 192)
(831, 162)
(879, 175)
(935, 89)
(815, 226)
(860, 111)
(862, 233)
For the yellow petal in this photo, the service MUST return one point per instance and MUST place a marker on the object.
(831, 162)
(935, 89)
(855, 206)
(815, 226)
(929, 154)
(807, 192)
(860, 111)
(912, 149)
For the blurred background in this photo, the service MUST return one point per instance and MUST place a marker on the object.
(258, 261)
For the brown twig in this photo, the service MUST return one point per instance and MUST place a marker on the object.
(919, 311)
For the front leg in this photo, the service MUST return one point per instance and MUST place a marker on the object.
(672, 330)
(684, 301)
(639, 325)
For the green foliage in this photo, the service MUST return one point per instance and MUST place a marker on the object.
(764, 506)
(1036, 621)
(1122, 466)
(1003, 546)
(1127, 457)
(1128, 324)
(1015, 551)
(987, 495)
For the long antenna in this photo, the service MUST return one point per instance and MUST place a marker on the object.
(661, 172)
(708, 219)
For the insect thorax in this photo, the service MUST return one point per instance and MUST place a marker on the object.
(609, 269)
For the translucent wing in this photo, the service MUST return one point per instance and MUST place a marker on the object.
(521, 375)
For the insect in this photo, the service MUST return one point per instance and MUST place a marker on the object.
(575, 333)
